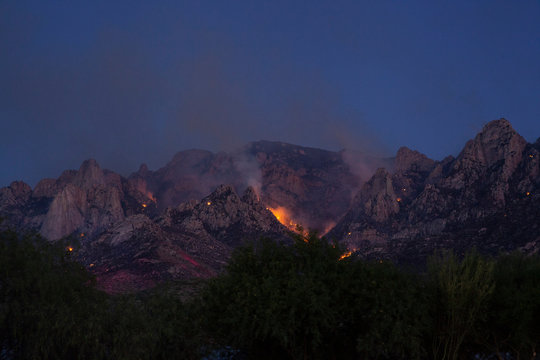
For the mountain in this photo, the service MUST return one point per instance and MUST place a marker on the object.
(184, 219)
(487, 198)
(156, 225)
(313, 184)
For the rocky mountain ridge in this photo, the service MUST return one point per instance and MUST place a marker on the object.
(183, 220)
(488, 198)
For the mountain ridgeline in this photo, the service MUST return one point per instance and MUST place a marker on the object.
(183, 220)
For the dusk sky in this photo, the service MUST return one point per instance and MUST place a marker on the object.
(127, 82)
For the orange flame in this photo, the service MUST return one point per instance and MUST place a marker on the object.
(144, 205)
(284, 217)
(345, 255)
(70, 249)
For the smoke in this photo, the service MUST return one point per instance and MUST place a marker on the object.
(124, 99)
(250, 169)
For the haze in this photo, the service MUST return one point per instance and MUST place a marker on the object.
(127, 82)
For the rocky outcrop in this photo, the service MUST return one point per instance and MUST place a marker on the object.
(491, 158)
(407, 159)
(194, 239)
(85, 201)
(470, 201)
(315, 185)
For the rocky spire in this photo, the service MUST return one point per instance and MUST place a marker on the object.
(497, 141)
(378, 197)
(89, 174)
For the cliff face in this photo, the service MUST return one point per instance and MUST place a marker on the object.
(86, 201)
(488, 198)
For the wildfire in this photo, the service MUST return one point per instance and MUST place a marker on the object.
(144, 205)
(528, 193)
(398, 199)
(208, 203)
(345, 255)
(70, 249)
(284, 217)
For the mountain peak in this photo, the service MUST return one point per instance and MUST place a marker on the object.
(407, 159)
(497, 141)
(89, 174)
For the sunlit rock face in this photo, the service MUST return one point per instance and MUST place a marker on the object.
(488, 198)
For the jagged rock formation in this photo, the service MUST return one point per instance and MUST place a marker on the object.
(487, 197)
(86, 201)
(162, 224)
(194, 239)
(315, 185)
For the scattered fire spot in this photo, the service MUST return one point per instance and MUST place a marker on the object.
(70, 249)
(348, 234)
(527, 193)
(398, 199)
(345, 255)
(208, 203)
(92, 265)
(531, 156)
(144, 205)
(82, 235)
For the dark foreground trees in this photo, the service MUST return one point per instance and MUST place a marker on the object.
(300, 301)
(50, 309)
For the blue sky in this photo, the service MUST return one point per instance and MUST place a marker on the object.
(127, 82)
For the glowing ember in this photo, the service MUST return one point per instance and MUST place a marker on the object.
(144, 205)
(70, 249)
(208, 203)
(82, 235)
(531, 156)
(345, 255)
(348, 234)
(528, 193)
(398, 199)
